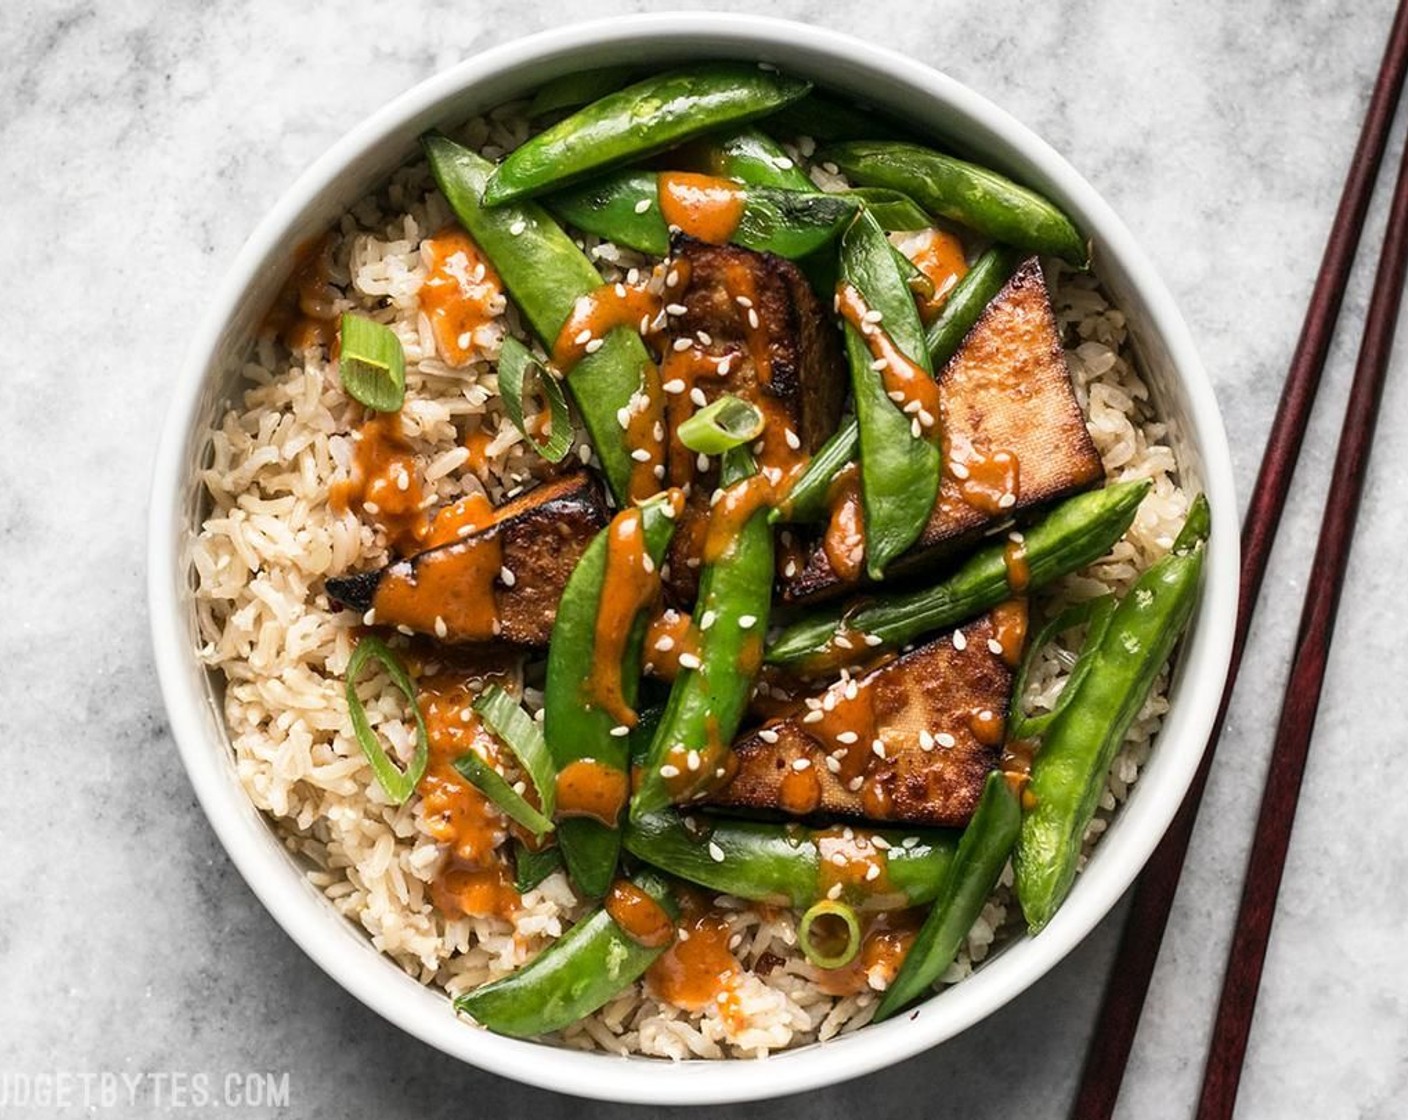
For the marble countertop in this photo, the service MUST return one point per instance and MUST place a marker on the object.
(139, 145)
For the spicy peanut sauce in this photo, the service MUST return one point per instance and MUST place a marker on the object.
(458, 297)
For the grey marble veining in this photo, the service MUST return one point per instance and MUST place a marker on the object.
(139, 144)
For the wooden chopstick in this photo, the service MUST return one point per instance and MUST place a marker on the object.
(1272, 839)
(1153, 895)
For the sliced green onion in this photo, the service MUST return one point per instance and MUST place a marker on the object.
(727, 423)
(829, 908)
(372, 364)
(517, 730)
(516, 363)
(399, 784)
(492, 785)
(530, 868)
(1096, 612)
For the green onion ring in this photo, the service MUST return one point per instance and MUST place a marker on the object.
(399, 784)
(718, 427)
(516, 363)
(371, 364)
(1097, 612)
(830, 908)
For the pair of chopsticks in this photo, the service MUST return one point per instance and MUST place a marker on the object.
(1153, 896)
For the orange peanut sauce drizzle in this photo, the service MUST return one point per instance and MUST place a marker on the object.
(699, 970)
(908, 384)
(844, 538)
(885, 942)
(461, 293)
(939, 255)
(669, 635)
(587, 787)
(701, 206)
(385, 484)
(475, 879)
(303, 314)
(630, 583)
(640, 917)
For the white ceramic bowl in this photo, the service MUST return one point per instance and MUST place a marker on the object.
(365, 157)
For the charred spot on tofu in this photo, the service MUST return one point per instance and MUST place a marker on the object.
(501, 580)
(910, 741)
(747, 324)
(1014, 439)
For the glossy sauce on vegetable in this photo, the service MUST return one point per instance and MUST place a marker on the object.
(939, 256)
(844, 538)
(907, 383)
(461, 293)
(1014, 559)
(987, 481)
(669, 635)
(852, 868)
(476, 879)
(640, 917)
(385, 484)
(589, 788)
(701, 206)
(303, 314)
(630, 583)
(1009, 622)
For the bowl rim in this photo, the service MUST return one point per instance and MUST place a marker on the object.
(304, 913)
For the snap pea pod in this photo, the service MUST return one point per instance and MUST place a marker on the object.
(546, 274)
(894, 210)
(982, 282)
(781, 864)
(1077, 532)
(576, 729)
(707, 699)
(580, 972)
(624, 207)
(899, 467)
(982, 854)
(755, 159)
(638, 121)
(530, 868)
(965, 193)
(1077, 748)
(578, 88)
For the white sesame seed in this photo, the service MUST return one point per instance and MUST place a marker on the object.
(507, 577)
(838, 858)
(683, 344)
(642, 206)
(753, 318)
(926, 740)
(668, 771)
(813, 717)
(880, 365)
(926, 417)
(854, 784)
(689, 661)
(658, 471)
(880, 842)
(985, 714)
(872, 873)
(767, 735)
(441, 630)
(701, 462)
(747, 621)
(369, 619)
(873, 316)
(518, 227)
(676, 309)
(692, 760)
(716, 853)
(945, 740)
(674, 385)
(743, 301)
(672, 278)
(664, 643)
(843, 641)
(960, 642)
(707, 619)
(584, 453)
(705, 339)
(914, 429)
(790, 569)
(994, 646)
(583, 337)
(640, 455)
(828, 702)
(793, 440)
(833, 892)
(958, 470)
(371, 507)
(697, 396)
(847, 737)
(800, 764)
(623, 417)
(1007, 501)
(658, 431)
(594, 345)
(620, 731)
(1016, 537)
(465, 339)
(912, 408)
(878, 746)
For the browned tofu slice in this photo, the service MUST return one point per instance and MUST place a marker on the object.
(1014, 436)
(909, 741)
(502, 582)
(756, 330)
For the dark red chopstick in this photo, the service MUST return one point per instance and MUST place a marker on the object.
(1317, 624)
(1153, 895)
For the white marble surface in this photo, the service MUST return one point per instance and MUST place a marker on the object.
(139, 144)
